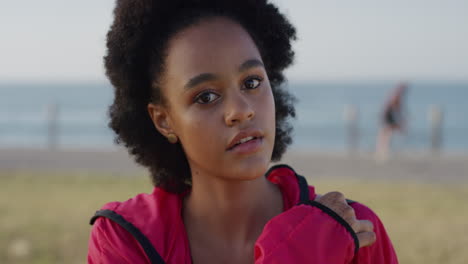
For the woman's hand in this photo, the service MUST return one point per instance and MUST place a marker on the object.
(364, 229)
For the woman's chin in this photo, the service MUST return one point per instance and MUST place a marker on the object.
(249, 169)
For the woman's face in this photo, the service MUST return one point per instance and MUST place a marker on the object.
(217, 92)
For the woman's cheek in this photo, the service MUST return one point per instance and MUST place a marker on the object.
(199, 131)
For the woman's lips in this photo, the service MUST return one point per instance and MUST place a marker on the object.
(246, 133)
(248, 147)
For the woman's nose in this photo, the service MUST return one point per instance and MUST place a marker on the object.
(238, 109)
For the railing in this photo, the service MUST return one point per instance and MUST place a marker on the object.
(353, 136)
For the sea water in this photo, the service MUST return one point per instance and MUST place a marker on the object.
(82, 116)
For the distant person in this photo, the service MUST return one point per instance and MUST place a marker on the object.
(392, 120)
(199, 101)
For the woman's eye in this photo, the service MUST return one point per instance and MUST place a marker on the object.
(252, 83)
(206, 97)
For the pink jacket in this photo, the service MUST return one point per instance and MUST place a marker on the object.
(303, 233)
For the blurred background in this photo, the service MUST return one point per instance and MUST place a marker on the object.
(59, 163)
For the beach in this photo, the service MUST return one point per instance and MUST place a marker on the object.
(412, 166)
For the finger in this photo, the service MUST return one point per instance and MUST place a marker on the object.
(333, 196)
(331, 199)
(366, 238)
(336, 201)
(347, 213)
(362, 226)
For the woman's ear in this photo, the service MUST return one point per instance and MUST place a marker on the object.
(160, 119)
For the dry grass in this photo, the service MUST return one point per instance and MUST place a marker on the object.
(49, 214)
(44, 218)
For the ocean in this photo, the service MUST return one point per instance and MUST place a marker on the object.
(320, 125)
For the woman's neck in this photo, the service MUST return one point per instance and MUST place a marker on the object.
(230, 212)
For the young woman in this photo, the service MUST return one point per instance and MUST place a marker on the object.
(392, 120)
(199, 101)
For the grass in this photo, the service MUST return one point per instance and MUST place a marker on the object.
(44, 218)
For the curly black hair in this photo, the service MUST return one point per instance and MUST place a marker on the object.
(136, 46)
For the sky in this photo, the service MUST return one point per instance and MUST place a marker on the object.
(64, 40)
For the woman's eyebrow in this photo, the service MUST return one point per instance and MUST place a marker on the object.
(204, 77)
(252, 63)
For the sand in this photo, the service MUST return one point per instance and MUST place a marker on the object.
(314, 165)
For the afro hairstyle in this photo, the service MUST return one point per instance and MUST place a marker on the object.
(136, 45)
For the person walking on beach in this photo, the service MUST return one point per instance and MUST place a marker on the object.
(392, 120)
(199, 101)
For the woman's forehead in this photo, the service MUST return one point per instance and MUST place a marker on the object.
(214, 45)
